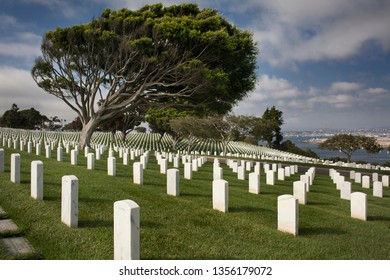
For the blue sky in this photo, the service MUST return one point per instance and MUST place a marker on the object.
(324, 64)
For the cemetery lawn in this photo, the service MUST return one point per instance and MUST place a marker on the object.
(186, 227)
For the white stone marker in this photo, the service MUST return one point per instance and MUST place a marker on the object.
(287, 171)
(143, 161)
(345, 191)
(98, 153)
(125, 158)
(254, 183)
(358, 177)
(241, 172)
(366, 182)
(15, 168)
(126, 230)
(111, 166)
(305, 179)
(385, 180)
(37, 179)
(270, 178)
(48, 151)
(359, 206)
(60, 153)
(288, 214)
(73, 157)
(91, 161)
(176, 162)
(217, 173)
(69, 200)
(173, 182)
(1, 160)
(352, 174)
(138, 173)
(163, 165)
(188, 170)
(29, 147)
(281, 174)
(378, 189)
(375, 177)
(300, 193)
(38, 149)
(220, 195)
(195, 165)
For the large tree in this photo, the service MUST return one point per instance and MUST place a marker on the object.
(269, 127)
(348, 144)
(177, 54)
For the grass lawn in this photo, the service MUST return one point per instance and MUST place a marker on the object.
(187, 227)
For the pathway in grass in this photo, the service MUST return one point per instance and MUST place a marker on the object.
(14, 246)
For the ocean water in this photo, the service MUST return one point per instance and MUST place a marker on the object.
(361, 155)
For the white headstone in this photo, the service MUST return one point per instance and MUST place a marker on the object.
(352, 174)
(345, 191)
(288, 214)
(270, 177)
(91, 161)
(69, 201)
(241, 172)
(29, 147)
(287, 171)
(305, 179)
(173, 182)
(111, 166)
(1, 160)
(138, 173)
(366, 182)
(385, 180)
(73, 157)
(217, 173)
(125, 158)
(126, 230)
(300, 193)
(375, 177)
(60, 153)
(176, 162)
(163, 166)
(281, 174)
(48, 151)
(38, 149)
(37, 179)
(254, 183)
(358, 177)
(15, 168)
(378, 189)
(195, 165)
(359, 206)
(98, 153)
(220, 195)
(143, 161)
(188, 170)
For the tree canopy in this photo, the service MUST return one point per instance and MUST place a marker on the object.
(26, 119)
(179, 55)
(348, 144)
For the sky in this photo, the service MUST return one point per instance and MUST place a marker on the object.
(324, 64)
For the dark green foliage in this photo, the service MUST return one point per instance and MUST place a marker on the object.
(348, 144)
(156, 55)
(25, 119)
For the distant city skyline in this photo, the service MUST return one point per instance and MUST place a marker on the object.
(324, 65)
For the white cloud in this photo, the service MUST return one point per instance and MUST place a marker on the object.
(296, 31)
(376, 91)
(17, 86)
(344, 86)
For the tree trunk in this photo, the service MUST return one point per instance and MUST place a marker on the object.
(87, 131)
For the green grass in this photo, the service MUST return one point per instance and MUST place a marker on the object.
(187, 227)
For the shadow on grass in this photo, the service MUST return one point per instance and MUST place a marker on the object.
(193, 195)
(95, 224)
(149, 224)
(248, 209)
(94, 200)
(378, 218)
(321, 230)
